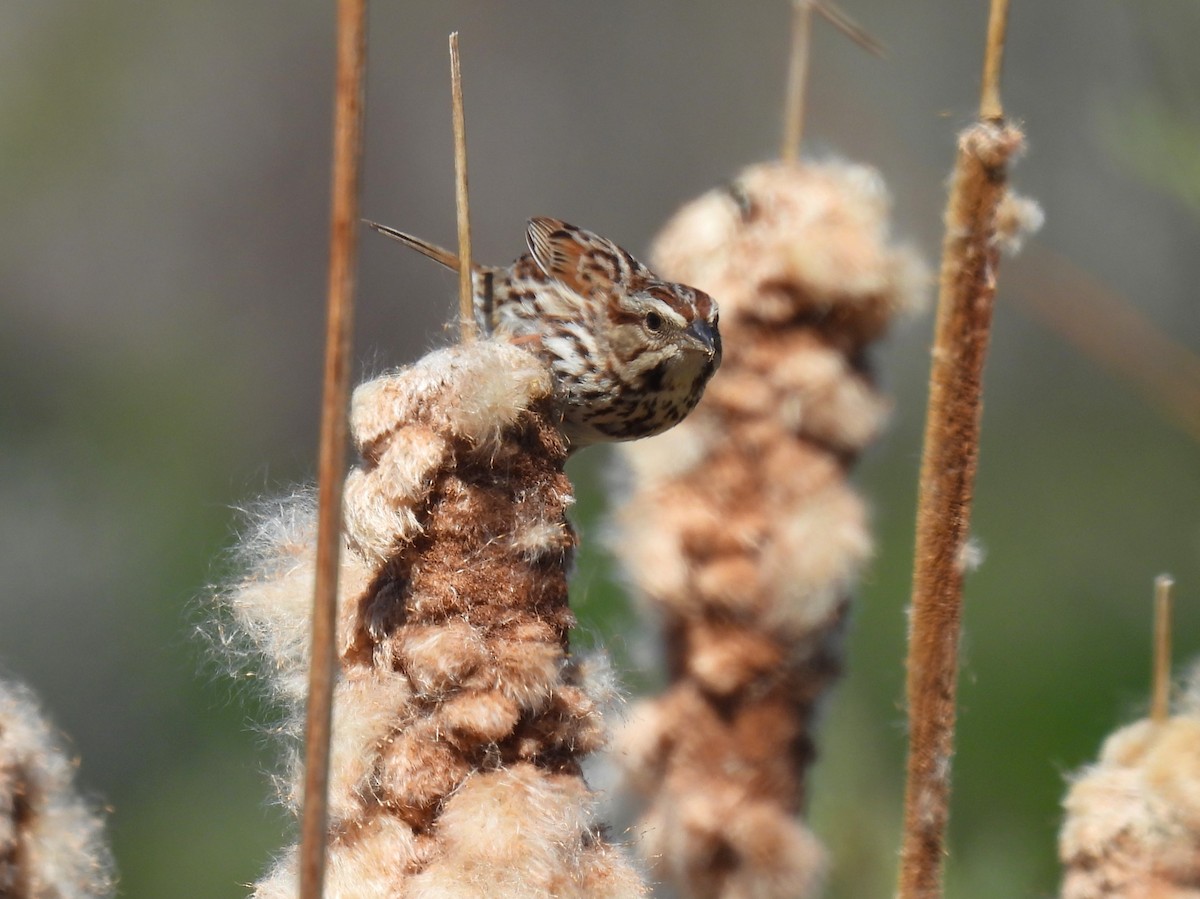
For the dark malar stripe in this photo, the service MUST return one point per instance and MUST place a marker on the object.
(654, 378)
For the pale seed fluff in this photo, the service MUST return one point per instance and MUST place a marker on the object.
(460, 717)
(52, 843)
(1132, 823)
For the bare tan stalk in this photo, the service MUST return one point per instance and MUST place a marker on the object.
(798, 60)
(990, 109)
(793, 112)
(970, 254)
(743, 531)
(343, 244)
(847, 26)
(462, 208)
(1160, 704)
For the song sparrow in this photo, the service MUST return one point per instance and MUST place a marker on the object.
(630, 353)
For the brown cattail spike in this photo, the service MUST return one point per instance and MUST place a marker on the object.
(793, 111)
(949, 461)
(793, 118)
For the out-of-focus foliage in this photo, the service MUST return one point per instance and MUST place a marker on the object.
(1160, 146)
(1154, 129)
(163, 202)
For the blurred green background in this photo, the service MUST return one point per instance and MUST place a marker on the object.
(164, 176)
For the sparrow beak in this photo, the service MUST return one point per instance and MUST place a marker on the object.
(706, 337)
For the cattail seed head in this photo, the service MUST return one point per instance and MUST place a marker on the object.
(1132, 823)
(51, 841)
(741, 529)
(460, 718)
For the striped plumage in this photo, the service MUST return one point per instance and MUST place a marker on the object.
(631, 353)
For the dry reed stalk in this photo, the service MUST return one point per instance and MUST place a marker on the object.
(979, 219)
(51, 841)
(1160, 696)
(460, 716)
(797, 77)
(1132, 824)
(742, 531)
(343, 243)
(462, 208)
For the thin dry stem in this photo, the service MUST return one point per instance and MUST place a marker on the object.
(847, 26)
(347, 154)
(1160, 706)
(466, 315)
(797, 81)
(793, 115)
(990, 109)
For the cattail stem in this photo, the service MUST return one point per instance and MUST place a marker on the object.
(949, 460)
(797, 81)
(793, 114)
(1160, 706)
(466, 308)
(347, 155)
(990, 109)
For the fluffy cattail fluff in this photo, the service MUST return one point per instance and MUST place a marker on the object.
(742, 531)
(460, 718)
(51, 841)
(1132, 826)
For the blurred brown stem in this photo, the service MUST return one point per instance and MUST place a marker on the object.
(1109, 329)
(990, 109)
(793, 116)
(343, 245)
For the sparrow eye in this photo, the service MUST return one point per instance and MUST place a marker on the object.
(654, 321)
